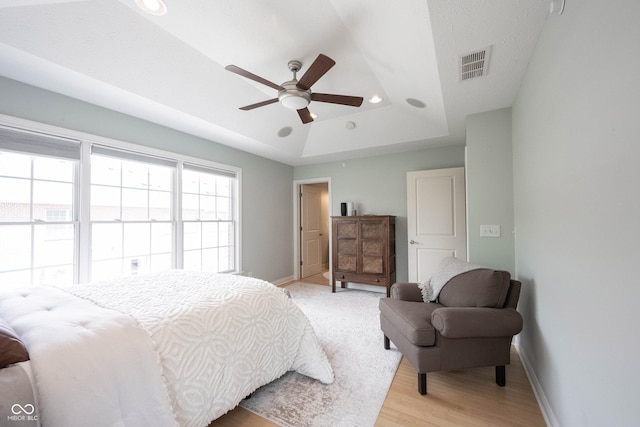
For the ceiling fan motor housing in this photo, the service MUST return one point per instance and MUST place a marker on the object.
(293, 97)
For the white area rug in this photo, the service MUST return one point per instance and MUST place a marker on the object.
(347, 324)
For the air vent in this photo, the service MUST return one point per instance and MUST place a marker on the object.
(474, 64)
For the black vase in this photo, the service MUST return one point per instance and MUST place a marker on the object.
(343, 209)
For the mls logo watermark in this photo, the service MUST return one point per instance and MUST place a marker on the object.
(20, 412)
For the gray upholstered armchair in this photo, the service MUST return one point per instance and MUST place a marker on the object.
(471, 325)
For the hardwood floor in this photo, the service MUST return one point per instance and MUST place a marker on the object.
(468, 397)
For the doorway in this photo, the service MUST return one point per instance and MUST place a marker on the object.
(312, 229)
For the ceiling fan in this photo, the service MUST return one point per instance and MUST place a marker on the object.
(296, 94)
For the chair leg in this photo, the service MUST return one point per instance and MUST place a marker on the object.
(422, 383)
(501, 376)
(387, 345)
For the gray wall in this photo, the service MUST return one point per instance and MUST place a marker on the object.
(577, 213)
(267, 208)
(489, 176)
(378, 185)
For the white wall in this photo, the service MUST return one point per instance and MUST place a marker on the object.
(576, 149)
(378, 185)
(266, 185)
(489, 179)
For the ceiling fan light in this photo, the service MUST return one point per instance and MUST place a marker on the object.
(375, 99)
(155, 7)
(293, 101)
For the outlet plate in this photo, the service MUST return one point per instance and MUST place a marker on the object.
(489, 231)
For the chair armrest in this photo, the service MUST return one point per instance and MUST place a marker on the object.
(406, 292)
(476, 322)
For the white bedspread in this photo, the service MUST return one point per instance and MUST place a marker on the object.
(159, 350)
(219, 336)
(92, 366)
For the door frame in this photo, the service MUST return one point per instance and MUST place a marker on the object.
(297, 183)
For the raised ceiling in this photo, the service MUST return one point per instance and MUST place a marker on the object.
(170, 69)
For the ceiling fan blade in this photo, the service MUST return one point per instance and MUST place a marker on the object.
(320, 66)
(259, 104)
(305, 115)
(354, 101)
(245, 73)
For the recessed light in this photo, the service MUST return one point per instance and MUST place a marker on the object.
(285, 131)
(375, 99)
(416, 103)
(154, 7)
(350, 125)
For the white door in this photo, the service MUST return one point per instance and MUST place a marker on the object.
(311, 232)
(436, 219)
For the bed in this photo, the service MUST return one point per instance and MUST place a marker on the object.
(164, 349)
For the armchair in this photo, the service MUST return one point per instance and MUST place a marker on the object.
(471, 325)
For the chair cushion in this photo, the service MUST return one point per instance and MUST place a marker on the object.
(411, 318)
(483, 287)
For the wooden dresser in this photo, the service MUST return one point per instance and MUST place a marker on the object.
(364, 250)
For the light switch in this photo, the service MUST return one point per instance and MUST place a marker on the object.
(489, 231)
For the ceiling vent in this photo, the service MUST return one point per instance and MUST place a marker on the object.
(474, 64)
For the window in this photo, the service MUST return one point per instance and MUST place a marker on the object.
(138, 210)
(37, 210)
(208, 219)
(131, 214)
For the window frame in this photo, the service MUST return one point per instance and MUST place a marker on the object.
(82, 241)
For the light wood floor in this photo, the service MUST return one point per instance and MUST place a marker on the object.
(456, 398)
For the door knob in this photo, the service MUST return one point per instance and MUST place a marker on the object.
(413, 242)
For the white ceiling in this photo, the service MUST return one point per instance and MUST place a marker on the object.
(170, 69)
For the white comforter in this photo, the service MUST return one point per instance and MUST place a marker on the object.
(214, 338)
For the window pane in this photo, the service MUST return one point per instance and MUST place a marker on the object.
(105, 170)
(223, 205)
(207, 184)
(15, 247)
(106, 241)
(223, 186)
(192, 235)
(15, 199)
(12, 164)
(160, 205)
(226, 234)
(210, 260)
(135, 205)
(190, 204)
(160, 262)
(190, 182)
(104, 270)
(226, 259)
(161, 239)
(160, 178)
(51, 195)
(137, 239)
(209, 234)
(135, 175)
(53, 244)
(61, 275)
(53, 169)
(105, 203)
(207, 207)
(15, 279)
(192, 260)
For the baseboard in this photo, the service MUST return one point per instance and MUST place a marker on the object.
(284, 280)
(543, 402)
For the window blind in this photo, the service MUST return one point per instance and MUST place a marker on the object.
(212, 171)
(130, 155)
(23, 141)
